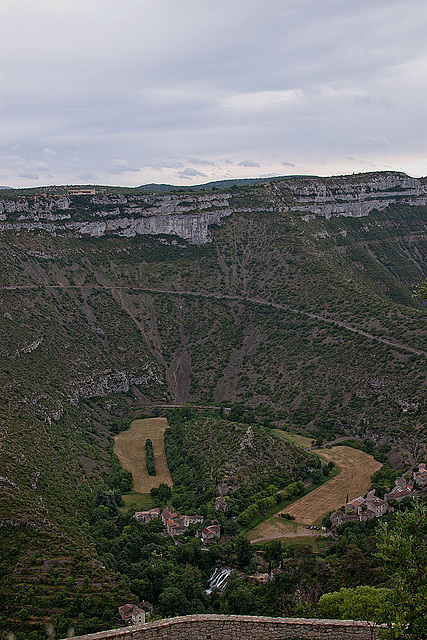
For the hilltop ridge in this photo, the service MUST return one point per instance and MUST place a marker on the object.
(131, 213)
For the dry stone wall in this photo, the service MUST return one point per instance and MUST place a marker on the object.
(217, 627)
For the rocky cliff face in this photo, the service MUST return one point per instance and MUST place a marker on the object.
(117, 214)
(189, 216)
(352, 196)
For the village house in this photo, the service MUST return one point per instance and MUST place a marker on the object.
(399, 494)
(146, 516)
(195, 519)
(167, 514)
(376, 505)
(355, 505)
(131, 614)
(211, 533)
(177, 525)
(147, 608)
(81, 191)
(372, 507)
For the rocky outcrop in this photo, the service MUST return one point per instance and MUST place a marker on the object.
(109, 381)
(189, 216)
(352, 196)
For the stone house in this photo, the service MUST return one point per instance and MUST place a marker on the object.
(399, 494)
(378, 506)
(177, 525)
(131, 614)
(336, 518)
(146, 516)
(355, 505)
(211, 533)
(167, 514)
(195, 519)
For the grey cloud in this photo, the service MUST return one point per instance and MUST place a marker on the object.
(288, 164)
(28, 176)
(87, 177)
(168, 164)
(191, 173)
(248, 163)
(203, 163)
(119, 166)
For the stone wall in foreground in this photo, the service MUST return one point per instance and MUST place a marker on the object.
(217, 627)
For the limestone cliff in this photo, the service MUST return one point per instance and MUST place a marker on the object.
(353, 195)
(189, 215)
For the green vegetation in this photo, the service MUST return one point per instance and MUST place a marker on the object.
(204, 450)
(255, 322)
(149, 453)
(403, 548)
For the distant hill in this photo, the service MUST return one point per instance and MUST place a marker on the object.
(209, 186)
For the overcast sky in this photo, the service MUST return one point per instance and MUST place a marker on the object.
(135, 91)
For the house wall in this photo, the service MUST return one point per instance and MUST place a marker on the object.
(216, 627)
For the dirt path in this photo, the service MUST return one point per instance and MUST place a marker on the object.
(220, 296)
(129, 447)
(354, 479)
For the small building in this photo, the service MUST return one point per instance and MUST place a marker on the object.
(336, 518)
(211, 533)
(132, 614)
(177, 526)
(196, 519)
(367, 516)
(81, 191)
(378, 506)
(399, 494)
(146, 516)
(355, 505)
(167, 514)
(147, 607)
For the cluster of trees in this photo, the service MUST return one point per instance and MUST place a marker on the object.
(149, 453)
(261, 501)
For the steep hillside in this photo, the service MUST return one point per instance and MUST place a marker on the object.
(272, 303)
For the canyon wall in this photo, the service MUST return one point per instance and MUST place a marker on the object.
(189, 216)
